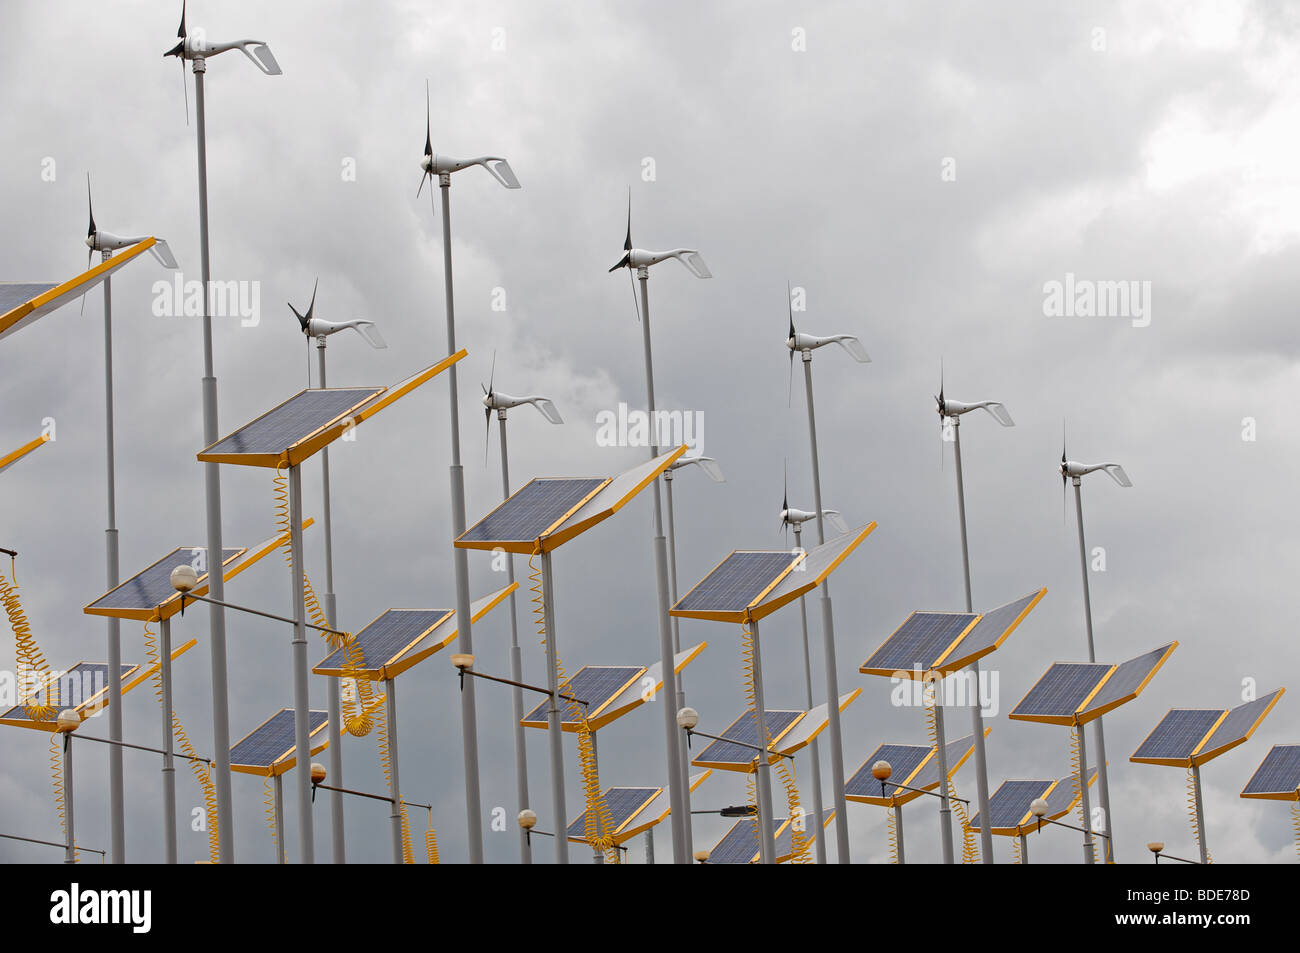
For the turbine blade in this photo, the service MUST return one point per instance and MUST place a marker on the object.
(90, 233)
(627, 242)
(487, 433)
(302, 319)
(789, 383)
(492, 389)
(428, 123)
(185, 89)
(181, 32)
(311, 308)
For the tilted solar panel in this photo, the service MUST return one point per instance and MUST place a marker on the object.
(1177, 734)
(740, 844)
(1129, 677)
(266, 744)
(1237, 727)
(1063, 797)
(1061, 690)
(1278, 774)
(594, 684)
(532, 510)
(736, 582)
(745, 729)
(15, 293)
(918, 642)
(380, 641)
(903, 761)
(623, 803)
(152, 587)
(1009, 804)
(994, 626)
(74, 688)
(956, 752)
(297, 418)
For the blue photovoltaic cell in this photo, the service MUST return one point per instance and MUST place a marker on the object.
(75, 687)
(532, 510)
(383, 639)
(1279, 773)
(1010, 803)
(903, 760)
(739, 845)
(736, 582)
(594, 684)
(153, 587)
(919, 641)
(1240, 720)
(1065, 793)
(16, 293)
(298, 417)
(991, 626)
(1128, 678)
(1178, 733)
(954, 751)
(622, 804)
(1062, 689)
(745, 728)
(262, 747)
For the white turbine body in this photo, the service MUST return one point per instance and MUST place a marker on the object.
(707, 464)
(197, 48)
(797, 517)
(495, 400)
(435, 164)
(1073, 468)
(801, 341)
(319, 328)
(955, 408)
(689, 257)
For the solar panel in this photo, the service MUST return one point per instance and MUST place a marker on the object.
(15, 293)
(384, 639)
(268, 744)
(1237, 727)
(1063, 797)
(152, 587)
(657, 809)
(1278, 775)
(993, 627)
(1060, 692)
(740, 845)
(73, 688)
(595, 684)
(623, 803)
(1177, 735)
(745, 729)
(292, 421)
(532, 510)
(1128, 679)
(1009, 805)
(956, 753)
(920, 641)
(903, 760)
(736, 582)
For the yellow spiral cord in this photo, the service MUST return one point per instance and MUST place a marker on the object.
(56, 773)
(891, 821)
(32, 667)
(431, 842)
(599, 822)
(1076, 766)
(268, 799)
(355, 693)
(202, 773)
(969, 844)
(1197, 833)
(386, 761)
(799, 839)
(1015, 851)
(1295, 824)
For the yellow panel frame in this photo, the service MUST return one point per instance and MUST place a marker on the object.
(11, 458)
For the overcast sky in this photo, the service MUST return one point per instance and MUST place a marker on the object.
(922, 169)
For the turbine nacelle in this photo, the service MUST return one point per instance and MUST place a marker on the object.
(690, 258)
(1075, 469)
(495, 400)
(314, 327)
(801, 341)
(955, 408)
(198, 48)
(435, 164)
(707, 464)
(795, 517)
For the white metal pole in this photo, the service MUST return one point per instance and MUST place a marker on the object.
(334, 702)
(516, 665)
(168, 743)
(460, 559)
(70, 850)
(301, 692)
(280, 852)
(1024, 848)
(212, 494)
(683, 761)
(1200, 816)
(394, 782)
(1103, 776)
(977, 716)
(813, 753)
(941, 753)
(554, 733)
(898, 826)
(116, 791)
(650, 846)
(676, 783)
(828, 642)
(599, 855)
(1082, 779)
(766, 824)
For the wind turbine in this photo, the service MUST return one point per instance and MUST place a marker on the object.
(197, 50)
(443, 166)
(494, 400)
(320, 329)
(640, 260)
(794, 519)
(714, 473)
(805, 344)
(105, 242)
(950, 413)
(1074, 471)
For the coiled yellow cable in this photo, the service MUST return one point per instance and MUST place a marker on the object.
(386, 761)
(1197, 833)
(599, 822)
(355, 693)
(1295, 824)
(1076, 775)
(32, 667)
(431, 842)
(56, 773)
(202, 773)
(969, 845)
(268, 799)
(799, 839)
(891, 822)
(1016, 858)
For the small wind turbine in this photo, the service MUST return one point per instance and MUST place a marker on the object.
(443, 166)
(320, 329)
(640, 260)
(794, 519)
(197, 50)
(501, 403)
(950, 413)
(104, 242)
(1074, 471)
(805, 344)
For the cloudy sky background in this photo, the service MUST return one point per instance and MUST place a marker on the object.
(1167, 157)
